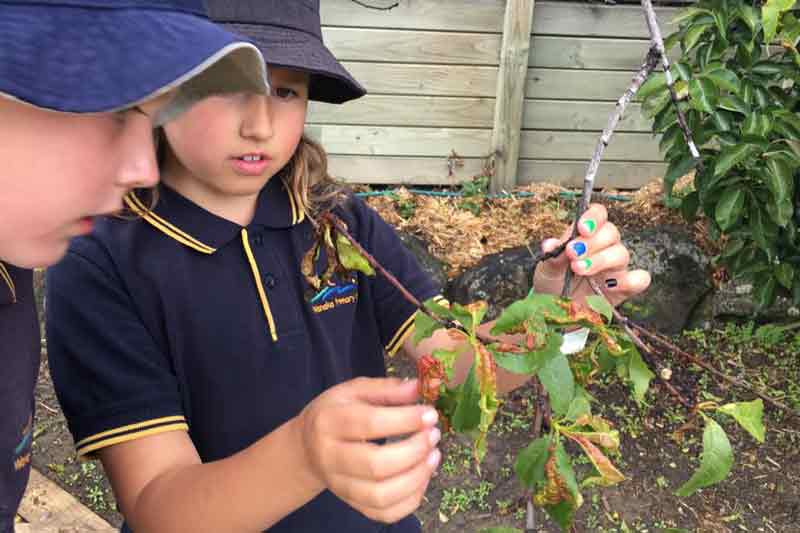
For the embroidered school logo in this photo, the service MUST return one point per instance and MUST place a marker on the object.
(334, 296)
(22, 453)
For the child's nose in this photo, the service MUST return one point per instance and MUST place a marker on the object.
(138, 167)
(257, 121)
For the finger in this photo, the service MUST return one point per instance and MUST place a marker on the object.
(621, 285)
(362, 421)
(592, 220)
(392, 499)
(369, 461)
(614, 258)
(605, 237)
(384, 391)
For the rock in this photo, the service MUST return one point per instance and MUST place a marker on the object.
(734, 300)
(500, 279)
(680, 277)
(431, 265)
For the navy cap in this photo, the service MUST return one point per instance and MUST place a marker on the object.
(105, 55)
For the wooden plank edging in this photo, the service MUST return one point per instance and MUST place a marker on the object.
(47, 508)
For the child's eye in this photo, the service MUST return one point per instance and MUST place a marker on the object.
(284, 92)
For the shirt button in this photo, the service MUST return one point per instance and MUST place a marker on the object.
(270, 281)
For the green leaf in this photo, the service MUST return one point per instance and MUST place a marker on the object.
(733, 103)
(529, 362)
(689, 205)
(749, 415)
(689, 13)
(424, 326)
(518, 312)
(580, 406)
(351, 258)
(639, 374)
(764, 291)
(730, 157)
(721, 120)
(468, 410)
(655, 83)
(762, 229)
(683, 70)
(756, 124)
(749, 15)
(676, 170)
(671, 40)
(770, 12)
(448, 359)
(784, 273)
(780, 179)
(693, 35)
(600, 305)
(781, 212)
(715, 463)
(703, 95)
(729, 208)
(530, 463)
(557, 378)
(463, 315)
(724, 79)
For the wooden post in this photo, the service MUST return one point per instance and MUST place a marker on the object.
(511, 93)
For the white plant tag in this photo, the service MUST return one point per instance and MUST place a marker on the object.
(574, 341)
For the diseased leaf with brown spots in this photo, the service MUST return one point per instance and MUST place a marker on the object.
(308, 267)
(609, 475)
(430, 374)
(486, 372)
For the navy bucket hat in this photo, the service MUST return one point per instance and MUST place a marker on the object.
(83, 56)
(288, 33)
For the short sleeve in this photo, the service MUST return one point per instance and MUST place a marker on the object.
(394, 314)
(112, 380)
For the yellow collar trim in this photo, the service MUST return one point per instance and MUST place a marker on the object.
(136, 205)
(10, 282)
(298, 214)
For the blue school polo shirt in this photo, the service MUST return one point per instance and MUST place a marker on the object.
(180, 320)
(19, 368)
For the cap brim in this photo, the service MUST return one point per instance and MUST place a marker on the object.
(284, 47)
(82, 60)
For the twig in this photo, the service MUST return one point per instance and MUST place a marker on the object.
(658, 43)
(644, 349)
(650, 63)
(377, 8)
(699, 362)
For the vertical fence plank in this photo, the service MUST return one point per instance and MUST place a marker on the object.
(511, 92)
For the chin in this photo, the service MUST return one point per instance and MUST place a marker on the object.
(38, 255)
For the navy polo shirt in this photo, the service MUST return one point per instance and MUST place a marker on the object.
(182, 320)
(19, 358)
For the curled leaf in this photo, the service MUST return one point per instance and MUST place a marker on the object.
(430, 374)
(609, 475)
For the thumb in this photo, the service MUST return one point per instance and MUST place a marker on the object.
(385, 391)
(555, 267)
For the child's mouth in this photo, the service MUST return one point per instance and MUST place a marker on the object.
(250, 164)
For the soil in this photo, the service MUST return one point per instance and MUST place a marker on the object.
(762, 492)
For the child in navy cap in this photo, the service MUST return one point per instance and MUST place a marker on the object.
(82, 83)
(187, 357)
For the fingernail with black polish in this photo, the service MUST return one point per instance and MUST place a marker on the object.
(611, 283)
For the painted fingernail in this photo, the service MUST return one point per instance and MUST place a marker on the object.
(579, 248)
(435, 436)
(433, 458)
(590, 224)
(430, 417)
(585, 264)
(611, 283)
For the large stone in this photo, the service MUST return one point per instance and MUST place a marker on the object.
(431, 265)
(680, 274)
(499, 279)
(734, 301)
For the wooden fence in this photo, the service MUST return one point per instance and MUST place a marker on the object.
(433, 69)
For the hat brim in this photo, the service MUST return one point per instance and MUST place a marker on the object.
(285, 47)
(80, 60)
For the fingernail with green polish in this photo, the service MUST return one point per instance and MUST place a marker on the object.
(590, 224)
(586, 264)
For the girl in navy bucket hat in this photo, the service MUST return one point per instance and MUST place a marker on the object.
(82, 84)
(230, 392)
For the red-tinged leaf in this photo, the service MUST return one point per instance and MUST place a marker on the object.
(430, 374)
(609, 475)
(560, 496)
(486, 372)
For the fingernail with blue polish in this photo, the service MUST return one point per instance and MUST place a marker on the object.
(611, 283)
(579, 247)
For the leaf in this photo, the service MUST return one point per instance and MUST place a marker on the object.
(780, 179)
(733, 103)
(724, 79)
(467, 414)
(781, 212)
(689, 205)
(749, 15)
(693, 35)
(563, 513)
(530, 462)
(764, 292)
(764, 232)
(486, 372)
(600, 305)
(639, 374)
(683, 70)
(770, 12)
(464, 315)
(351, 258)
(703, 95)
(424, 327)
(676, 170)
(557, 378)
(516, 313)
(784, 273)
(729, 208)
(730, 157)
(580, 406)
(528, 362)
(716, 461)
(756, 124)
(448, 359)
(688, 13)
(749, 415)
(609, 475)
(655, 83)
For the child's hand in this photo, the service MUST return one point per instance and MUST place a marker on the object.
(384, 482)
(597, 252)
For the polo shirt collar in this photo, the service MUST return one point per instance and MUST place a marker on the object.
(8, 291)
(190, 224)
